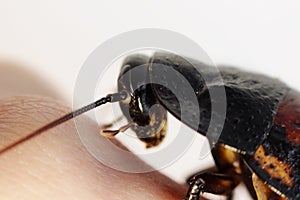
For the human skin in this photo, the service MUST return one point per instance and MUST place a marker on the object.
(55, 165)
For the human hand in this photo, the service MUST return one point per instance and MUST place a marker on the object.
(55, 165)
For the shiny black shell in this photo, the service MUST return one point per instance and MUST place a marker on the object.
(277, 160)
(252, 99)
(257, 107)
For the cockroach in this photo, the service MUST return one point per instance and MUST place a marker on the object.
(258, 142)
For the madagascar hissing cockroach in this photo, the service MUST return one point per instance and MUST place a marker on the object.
(258, 142)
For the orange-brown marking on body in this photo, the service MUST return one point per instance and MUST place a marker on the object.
(260, 188)
(288, 116)
(274, 167)
(229, 157)
(263, 192)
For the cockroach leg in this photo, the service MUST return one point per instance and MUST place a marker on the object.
(111, 133)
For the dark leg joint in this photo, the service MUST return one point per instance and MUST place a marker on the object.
(196, 187)
(213, 183)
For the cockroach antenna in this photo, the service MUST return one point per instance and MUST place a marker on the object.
(110, 98)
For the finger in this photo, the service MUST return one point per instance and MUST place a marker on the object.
(56, 165)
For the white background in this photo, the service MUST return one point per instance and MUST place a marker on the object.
(54, 38)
